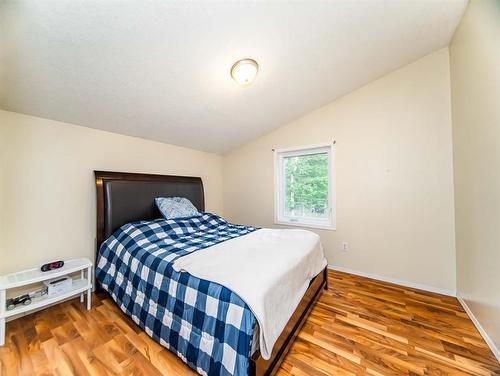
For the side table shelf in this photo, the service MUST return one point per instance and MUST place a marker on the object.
(31, 276)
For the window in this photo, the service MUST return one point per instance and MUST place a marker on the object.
(304, 187)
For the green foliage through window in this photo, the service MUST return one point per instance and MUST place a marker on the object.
(306, 185)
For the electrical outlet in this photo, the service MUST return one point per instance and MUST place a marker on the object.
(345, 246)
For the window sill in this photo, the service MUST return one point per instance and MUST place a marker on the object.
(306, 225)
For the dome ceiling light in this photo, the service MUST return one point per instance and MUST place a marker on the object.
(244, 71)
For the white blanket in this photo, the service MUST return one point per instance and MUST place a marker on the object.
(269, 269)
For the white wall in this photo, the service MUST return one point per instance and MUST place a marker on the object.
(475, 90)
(47, 191)
(394, 178)
(394, 174)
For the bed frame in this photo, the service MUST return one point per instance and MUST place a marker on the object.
(126, 197)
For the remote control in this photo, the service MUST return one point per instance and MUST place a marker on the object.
(52, 266)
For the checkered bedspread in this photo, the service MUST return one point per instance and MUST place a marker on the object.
(209, 327)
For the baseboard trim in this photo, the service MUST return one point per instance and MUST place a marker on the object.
(480, 328)
(395, 281)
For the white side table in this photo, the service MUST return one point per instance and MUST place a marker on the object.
(35, 275)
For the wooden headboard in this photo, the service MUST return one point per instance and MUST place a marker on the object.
(124, 197)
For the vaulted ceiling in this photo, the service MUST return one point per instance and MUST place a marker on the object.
(160, 69)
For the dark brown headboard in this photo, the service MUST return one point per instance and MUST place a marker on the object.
(124, 197)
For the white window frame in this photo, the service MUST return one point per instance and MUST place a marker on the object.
(279, 187)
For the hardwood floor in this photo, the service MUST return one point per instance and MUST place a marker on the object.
(358, 327)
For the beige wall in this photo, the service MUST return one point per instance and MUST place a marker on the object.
(394, 175)
(47, 192)
(475, 84)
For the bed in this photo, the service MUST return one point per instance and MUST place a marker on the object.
(128, 225)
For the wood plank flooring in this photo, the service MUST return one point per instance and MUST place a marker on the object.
(358, 327)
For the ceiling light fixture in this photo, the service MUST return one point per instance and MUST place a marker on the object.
(244, 71)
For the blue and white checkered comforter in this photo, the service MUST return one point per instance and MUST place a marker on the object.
(205, 324)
